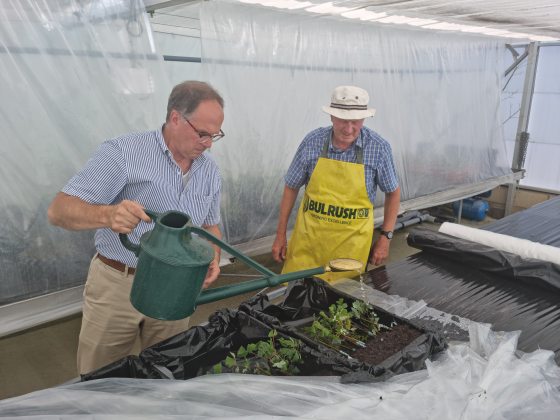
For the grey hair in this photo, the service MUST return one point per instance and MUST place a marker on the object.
(187, 96)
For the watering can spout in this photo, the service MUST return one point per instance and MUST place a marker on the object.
(218, 293)
(172, 266)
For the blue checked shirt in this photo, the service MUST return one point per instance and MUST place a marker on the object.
(378, 160)
(140, 167)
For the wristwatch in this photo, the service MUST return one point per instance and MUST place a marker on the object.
(387, 233)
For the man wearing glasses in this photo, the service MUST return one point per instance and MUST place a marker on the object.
(161, 170)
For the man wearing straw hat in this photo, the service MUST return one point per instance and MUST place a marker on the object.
(341, 166)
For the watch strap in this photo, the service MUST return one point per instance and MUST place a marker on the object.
(387, 233)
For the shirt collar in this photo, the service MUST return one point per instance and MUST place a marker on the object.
(161, 141)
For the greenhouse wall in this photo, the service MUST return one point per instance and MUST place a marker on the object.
(73, 76)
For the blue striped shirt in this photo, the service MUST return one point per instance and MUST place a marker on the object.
(140, 167)
(378, 160)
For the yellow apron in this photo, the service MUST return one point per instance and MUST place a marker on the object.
(335, 218)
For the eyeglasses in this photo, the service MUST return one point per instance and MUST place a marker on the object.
(203, 135)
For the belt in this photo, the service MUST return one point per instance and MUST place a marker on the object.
(117, 265)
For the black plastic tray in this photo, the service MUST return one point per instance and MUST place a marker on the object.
(310, 296)
(195, 351)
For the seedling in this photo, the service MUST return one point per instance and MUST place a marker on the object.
(342, 327)
(364, 314)
(277, 355)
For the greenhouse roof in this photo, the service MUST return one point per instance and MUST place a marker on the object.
(537, 20)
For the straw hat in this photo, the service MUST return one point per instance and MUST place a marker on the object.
(349, 103)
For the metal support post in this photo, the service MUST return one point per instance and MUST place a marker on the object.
(522, 137)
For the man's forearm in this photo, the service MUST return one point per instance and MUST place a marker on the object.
(73, 213)
(391, 209)
(286, 205)
(215, 230)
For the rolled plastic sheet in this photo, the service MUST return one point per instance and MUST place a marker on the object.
(487, 259)
(521, 247)
(483, 379)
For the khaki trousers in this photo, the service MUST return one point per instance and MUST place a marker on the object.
(110, 324)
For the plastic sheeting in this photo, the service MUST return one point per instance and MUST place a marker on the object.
(485, 379)
(482, 284)
(72, 74)
(437, 97)
(488, 259)
(195, 351)
(543, 150)
(540, 223)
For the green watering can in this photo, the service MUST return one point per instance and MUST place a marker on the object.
(172, 265)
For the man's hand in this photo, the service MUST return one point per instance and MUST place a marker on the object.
(126, 215)
(73, 213)
(212, 274)
(279, 248)
(380, 251)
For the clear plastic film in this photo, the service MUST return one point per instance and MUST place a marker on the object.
(437, 97)
(483, 379)
(72, 74)
(543, 149)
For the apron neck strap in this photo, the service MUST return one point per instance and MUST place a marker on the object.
(358, 150)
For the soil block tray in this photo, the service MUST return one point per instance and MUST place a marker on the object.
(403, 347)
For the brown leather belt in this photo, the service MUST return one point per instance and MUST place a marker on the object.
(117, 265)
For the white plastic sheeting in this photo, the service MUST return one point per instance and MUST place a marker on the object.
(72, 74)
(514, 19)
(437, 98)
(543, 150)
(483, 379)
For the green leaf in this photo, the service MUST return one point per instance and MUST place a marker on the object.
(282, 365)
(230, 362)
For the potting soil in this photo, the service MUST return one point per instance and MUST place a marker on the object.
(386, 343)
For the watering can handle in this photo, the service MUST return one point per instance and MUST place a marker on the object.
(127, 243)
(229, 249)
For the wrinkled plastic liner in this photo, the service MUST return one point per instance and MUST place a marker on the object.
(489, 286)
(540, 223)
(487, 259)
(195, 351)
(308, 297)
(128, 367)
